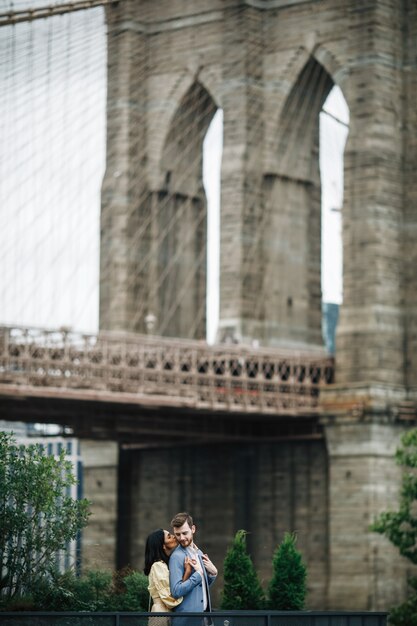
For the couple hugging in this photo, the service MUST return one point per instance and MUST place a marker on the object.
(179, 573)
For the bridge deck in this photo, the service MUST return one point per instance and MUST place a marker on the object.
(122, 373)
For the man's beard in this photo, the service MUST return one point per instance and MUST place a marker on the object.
(186, 542)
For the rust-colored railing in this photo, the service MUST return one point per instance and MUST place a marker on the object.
(173, 371)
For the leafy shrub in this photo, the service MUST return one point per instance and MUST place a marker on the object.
(38, 518)
(406, 613)
(136, 595)
(54, 592)
(400, 527)
(97, 590)
(93, 591)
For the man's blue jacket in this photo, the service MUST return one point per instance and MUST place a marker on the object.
(191, 589)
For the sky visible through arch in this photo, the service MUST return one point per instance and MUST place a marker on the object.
(334, 122)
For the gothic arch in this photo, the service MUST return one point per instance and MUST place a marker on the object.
(299, 119)
(179, 220)
(338, 72)
(181, 158)
(176, 95)
(291, 238)
(304, 55)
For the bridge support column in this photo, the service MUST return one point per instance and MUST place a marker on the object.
(100, 463)
(362, 434)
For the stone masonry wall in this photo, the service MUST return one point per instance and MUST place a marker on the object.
(269, 65)
(372, 313)
(364, 481)
(248, 57)
(100, 467)
(410, 200)
(264, 489)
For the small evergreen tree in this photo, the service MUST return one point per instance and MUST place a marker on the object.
(242, 589)
(287, 588)
(400, 527)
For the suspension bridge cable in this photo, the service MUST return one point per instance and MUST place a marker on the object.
(154, 238)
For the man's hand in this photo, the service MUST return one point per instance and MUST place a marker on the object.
(210, 567)
(188, 568)
(193, 563)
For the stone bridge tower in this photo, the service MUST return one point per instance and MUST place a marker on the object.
(269, 65)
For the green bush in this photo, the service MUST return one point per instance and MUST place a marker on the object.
(97, 590)
(406, 613)
(18, 603)
(242, 589)
(136, 594)
(287, 588)
(93, 591)
(54, 592)
(400, 527)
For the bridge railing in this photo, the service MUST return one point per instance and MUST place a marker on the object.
(216, 618)
(185, 372)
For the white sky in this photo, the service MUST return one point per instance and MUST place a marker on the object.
(52, 146)
(332, 144)
(52, 123)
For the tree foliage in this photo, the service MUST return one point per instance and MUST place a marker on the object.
(400, 527)
(287, 588)
(242, 589)
(38, 517)
(406, 613)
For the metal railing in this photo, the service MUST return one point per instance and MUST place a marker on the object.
(221, 618)
(175, 371)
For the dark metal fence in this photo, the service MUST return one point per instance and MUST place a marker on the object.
(220, 618)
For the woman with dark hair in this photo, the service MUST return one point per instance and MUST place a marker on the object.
(159, 546)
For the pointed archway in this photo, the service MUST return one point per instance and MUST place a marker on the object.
(178, 231)
(290, 294)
